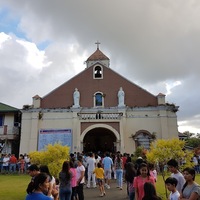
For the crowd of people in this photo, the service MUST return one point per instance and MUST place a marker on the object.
(92, 170)
(9, 163)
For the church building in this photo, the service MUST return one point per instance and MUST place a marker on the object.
(97, 110)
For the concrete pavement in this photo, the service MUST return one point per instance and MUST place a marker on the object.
(112, 193)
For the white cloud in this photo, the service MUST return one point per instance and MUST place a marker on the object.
(35, 57)
(3, 38)
(152, 43)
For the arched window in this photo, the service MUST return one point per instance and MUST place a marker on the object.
(98, 72)
(143, 138)
(98, 99)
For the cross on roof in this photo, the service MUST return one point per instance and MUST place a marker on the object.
(97, 43)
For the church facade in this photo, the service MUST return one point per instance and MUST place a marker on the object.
(97, 110)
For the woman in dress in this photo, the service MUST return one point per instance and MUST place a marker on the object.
(190, 190)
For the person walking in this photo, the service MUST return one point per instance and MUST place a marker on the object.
(65, 189)
(107, 165)
(91, 164)
(99, 173)
(118, 166)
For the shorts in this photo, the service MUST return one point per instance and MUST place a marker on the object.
(107, 173)
(99, 181)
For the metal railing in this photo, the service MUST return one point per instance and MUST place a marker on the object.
(99, 116)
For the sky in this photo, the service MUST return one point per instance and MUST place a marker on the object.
(153, 43)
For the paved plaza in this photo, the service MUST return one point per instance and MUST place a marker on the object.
(112, 193)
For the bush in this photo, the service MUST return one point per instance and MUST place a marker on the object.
(53, 156)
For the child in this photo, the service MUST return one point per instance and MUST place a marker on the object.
(173, 168)
(99, 171)
(153, 171)
(150, 192)
(171, 184)
(141, 179)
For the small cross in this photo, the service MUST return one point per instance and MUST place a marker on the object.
(97, 43)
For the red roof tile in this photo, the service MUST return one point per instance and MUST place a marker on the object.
(97, 55)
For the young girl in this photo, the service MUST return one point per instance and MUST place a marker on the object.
(100, 176)
(141, 179)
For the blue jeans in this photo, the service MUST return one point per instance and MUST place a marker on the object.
(65, 193)
(119, 176)
(12, 168)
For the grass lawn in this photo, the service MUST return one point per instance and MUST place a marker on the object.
(13, 187)
(160, 186)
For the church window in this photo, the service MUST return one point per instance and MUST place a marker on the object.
(143, 139)
(98, 99)
(1, 120)
(98, 72)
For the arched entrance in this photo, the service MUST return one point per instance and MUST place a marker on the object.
(99, 139)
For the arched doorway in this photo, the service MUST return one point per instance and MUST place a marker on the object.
(99, 139)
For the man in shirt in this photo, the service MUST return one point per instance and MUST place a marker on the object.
(91, 164)
(33, 171)
(13, 163)
(173, 168)
(107, 165)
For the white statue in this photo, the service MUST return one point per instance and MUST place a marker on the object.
(76, 96)
(121, 97)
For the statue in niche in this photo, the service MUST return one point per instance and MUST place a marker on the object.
(76, 97)
(121, 96)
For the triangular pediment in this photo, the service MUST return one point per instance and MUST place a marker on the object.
(62, 97)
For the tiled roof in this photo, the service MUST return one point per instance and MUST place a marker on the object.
(97, 55)
(161, 94)
(7, 108)
(37, 97)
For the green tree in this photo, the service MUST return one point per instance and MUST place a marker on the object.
(162, 151)
(53, 156)
(193, 142)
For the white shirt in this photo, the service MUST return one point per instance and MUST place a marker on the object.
(174, 196)
(91, 164)
(179, 177)
(80, 169)
(6, 161)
